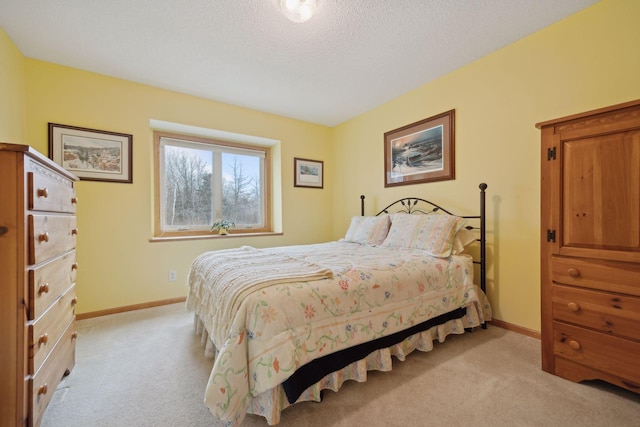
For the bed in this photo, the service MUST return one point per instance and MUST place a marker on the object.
(286, 323)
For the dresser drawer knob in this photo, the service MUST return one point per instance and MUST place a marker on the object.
(575, 345)
(74, 335)
(74, 232)
(74, 200)
(43, 389)
(43, 192)
(43, 289)
(574, 272)
(44, 237)
(74, 300)
(44, 338)
(74, 266)
(573, 306)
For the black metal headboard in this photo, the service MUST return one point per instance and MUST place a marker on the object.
(416, 205)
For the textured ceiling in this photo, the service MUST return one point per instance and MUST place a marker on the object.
(351, 57)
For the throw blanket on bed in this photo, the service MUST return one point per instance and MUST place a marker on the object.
(235, 273)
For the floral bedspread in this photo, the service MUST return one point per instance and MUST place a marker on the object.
(374, 292)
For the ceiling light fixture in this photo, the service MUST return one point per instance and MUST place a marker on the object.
(298, 10)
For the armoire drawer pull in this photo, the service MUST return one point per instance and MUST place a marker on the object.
(43, 389)
(574, 272)
(44, 338)
(573, 306)
(44, 237)
(43, 192)
(43, 289)
(575, 345)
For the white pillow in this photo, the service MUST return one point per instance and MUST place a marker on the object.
(368, 230)
(433, 233)
(463, 239)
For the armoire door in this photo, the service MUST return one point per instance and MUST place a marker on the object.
(598, 202)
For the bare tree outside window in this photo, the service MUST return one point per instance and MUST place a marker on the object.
(240, 200)
(203, 183)
(188, 188)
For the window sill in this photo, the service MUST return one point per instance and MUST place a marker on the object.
(213, 236)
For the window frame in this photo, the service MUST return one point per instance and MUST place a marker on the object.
(200, 233)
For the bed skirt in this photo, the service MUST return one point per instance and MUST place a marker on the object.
(270, 403)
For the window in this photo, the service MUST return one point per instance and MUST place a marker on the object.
(201, 180)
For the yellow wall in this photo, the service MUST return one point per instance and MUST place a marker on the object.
(12, 91)
(119, 266)
(586, 61)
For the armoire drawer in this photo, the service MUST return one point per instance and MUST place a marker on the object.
(50, 235)
(59, 363)
(610, 313)
(620, 277)
(49, 191)
(616, 356)
(48, 281)
(45, 332)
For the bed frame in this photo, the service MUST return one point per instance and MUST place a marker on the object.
(415, 205)
(316, 369)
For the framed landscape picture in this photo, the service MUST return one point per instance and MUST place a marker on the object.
(308, 173)
(420, 152)
(90, 154)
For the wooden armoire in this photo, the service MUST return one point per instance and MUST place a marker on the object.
(590, 245)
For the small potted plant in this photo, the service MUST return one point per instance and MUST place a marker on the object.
(222, 226)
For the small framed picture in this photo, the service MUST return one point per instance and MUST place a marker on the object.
(90, 154)
(308, 173)
(421, 152)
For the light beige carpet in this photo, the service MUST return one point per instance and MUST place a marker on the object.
(147, 368)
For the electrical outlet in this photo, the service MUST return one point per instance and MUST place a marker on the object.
(173, 276)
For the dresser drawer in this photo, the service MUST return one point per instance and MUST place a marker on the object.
(610, 313)
(49, 191)
(45, 332)
(596, 350)
(50, 235)
(48, 281)
(59, 363)
(620, 277)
